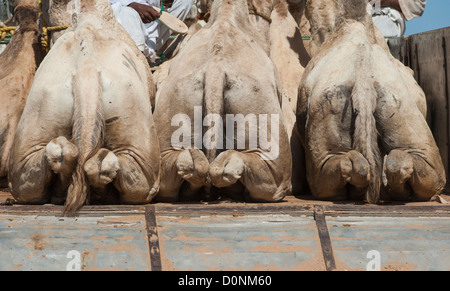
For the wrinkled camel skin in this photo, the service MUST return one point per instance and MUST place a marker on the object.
(233, 75)
(19, 62)
(92, 131)
(322, 17)
(288, 53)
(355, 107)
(281, 39)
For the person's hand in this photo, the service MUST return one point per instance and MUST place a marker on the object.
(167, 3)
(391, 3)
(146, 12)
(388, 3)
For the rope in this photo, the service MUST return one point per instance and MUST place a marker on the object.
(45, 42)
(6, 31)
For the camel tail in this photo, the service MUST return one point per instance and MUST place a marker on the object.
(215, 81)
(87, 133)
(365, 138)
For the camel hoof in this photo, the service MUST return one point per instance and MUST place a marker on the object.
(102, 168)
(61, 155)
(398, 168)
(355, 169)
(192, 166)
(226, 169)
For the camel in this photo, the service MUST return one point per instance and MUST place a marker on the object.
(288, 52)
(297, 8)
(87, 133)
(233, 81)
(322, 17)
(355, 107)
(58, 13)
(281, 39)
(19, 62)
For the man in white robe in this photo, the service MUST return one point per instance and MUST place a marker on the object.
(390, 15)
(140, 20)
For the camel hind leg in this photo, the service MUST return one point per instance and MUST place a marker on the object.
(132, 173)
(31, 179)
(42, 158)
(263, 180)
(335, 171)
(184, 174)
(130, 157)
(413, 167)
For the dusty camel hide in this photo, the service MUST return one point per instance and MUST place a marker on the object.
(18, 64)
(87, 128)
(322, 18)
(281, 39)
(233, 75)
(355, 107)
(288, 53)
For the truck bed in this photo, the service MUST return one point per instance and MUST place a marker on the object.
(299, 233)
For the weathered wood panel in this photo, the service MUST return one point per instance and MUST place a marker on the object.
(428, 54)
(34, 242)
(229, 236)
(400, 244)
(248, 243)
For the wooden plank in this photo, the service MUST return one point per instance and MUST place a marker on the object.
(399, 48)
(51, 243)
(386, 244)
(428, 63)
(446, 51)
(235, 209)
(229, 236)
(276, 242)
(57, 210)
(428, 55)
(387, 210)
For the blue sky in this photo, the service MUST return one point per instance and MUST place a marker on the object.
(435, 16)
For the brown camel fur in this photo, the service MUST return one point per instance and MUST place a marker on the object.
(18, 64)
(87, 133)
(355, 106)
(233, 75)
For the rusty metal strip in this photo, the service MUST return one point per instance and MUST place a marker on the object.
(324, 236)
(153, 238)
